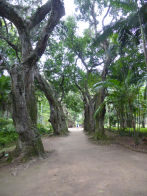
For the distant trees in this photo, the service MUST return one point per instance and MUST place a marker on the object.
(109, 49)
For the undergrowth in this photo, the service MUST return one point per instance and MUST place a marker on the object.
(9, 136)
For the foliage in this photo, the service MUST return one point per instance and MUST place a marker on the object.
(43, 109)
(129, 131)
(44, 131)
(4, 92)
(8, 134)
(74, 102)
(4, 122)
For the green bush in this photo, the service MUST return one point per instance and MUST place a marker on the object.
(8, 134)
(4, 122)
(130, 132)
(43, 130)
(7, 138)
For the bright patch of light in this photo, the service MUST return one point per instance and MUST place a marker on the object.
(69, 8)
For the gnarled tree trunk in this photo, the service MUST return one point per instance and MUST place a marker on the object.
(57, 119)
(30, 93)
(29, 139)
(57, 116)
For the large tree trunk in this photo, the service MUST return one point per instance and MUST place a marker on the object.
(89, 122)
(57, 116)
(30, 93)
(29, 139)
(100, 117)
(57, 119)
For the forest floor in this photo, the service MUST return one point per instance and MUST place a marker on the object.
(77, 167)
(128, 142)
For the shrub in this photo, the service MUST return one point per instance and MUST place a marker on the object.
(130, 132)
(8, 134)
(44, 131)
(4, 122)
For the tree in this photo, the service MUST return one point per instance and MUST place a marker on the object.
(57, 73)
(57, 116)
(83, 78)
(22, 71)
(89, 12)
(137, 18)
(125, 86)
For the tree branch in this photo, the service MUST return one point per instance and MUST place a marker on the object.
(6, 26)
(62, 87)
(56, 13)
(131, 21)
(77, 85)
(8, 11)
(96, 65)
(14, 47)
(45, 87)
(94, 17)
(82, 60)
(3, 64)
(105, 16)
(40, 14)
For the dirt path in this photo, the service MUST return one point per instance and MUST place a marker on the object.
(77, 167)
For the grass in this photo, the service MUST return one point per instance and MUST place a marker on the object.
(129, 131)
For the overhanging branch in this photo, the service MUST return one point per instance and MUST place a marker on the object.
(3, 64)
(13, 46)
(131, 21)
(56, 13)
(8, 11)
(40, 14)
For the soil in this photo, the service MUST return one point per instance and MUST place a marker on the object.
(129, 142)
(77, 167)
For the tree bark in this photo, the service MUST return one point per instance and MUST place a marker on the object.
(89, 121)
(57, 116)
(29, 139)
(58, 119)
(100, 117)
(30, 93)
